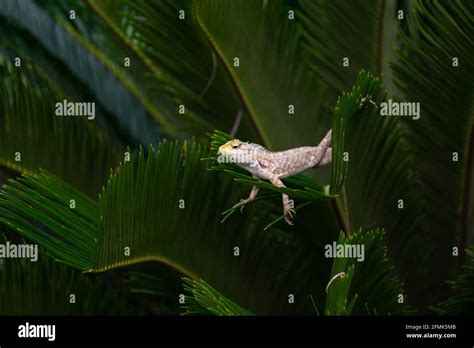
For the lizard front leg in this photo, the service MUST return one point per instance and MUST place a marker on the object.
(287, 211)
(243, 202)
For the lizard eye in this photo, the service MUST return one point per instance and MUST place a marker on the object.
(236, 144)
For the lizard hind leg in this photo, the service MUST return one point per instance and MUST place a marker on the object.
(243, 202)
(288, 212)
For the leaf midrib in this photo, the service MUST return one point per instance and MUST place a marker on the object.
(235, 81)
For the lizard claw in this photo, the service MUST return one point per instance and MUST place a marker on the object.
(241, 204)
(289, 213)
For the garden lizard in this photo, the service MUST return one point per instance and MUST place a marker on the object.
(274, 166)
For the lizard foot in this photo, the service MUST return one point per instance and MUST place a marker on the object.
(241, 204)
(289, 213)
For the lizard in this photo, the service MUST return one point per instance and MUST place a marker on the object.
(274, 166)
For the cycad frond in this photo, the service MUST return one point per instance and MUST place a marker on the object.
(462, 302)
(267, 74)
(67, 146)
(104, 77)
(341, 38)
(160, 207)
(43, 287)
(203, 299)
(364, 283)
(435, 63)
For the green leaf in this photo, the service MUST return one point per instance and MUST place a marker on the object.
(98, 72)
(178, 60)
(364, 283)
(204, 299)
(138, 218)
(334, 30)
(462, 302)
(438, 32)
(44, 287)
(155, 287)
(69, 147)
(373, 170)
(268, 77)
(168, 68)
(352, 109)
(67, 234)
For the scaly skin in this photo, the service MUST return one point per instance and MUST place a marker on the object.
(274, 166)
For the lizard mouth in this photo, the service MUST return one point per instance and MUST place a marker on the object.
(221, 150)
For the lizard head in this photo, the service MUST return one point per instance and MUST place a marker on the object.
(235, 151)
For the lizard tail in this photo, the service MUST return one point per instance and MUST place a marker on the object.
(326, 142)
(323, 153)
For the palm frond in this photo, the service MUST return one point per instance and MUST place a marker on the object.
(155, 287)
(46, 217)
(368, 287)
(138, 218)
(372, 164)
(180, 63)
(268, 80)
(100, 74)
(49, 288)
(438, 32)
(462, 302)
(352, 109)
(168, 68)
(204, 299)
(27, 102)
(333, 30)
(24, 291)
